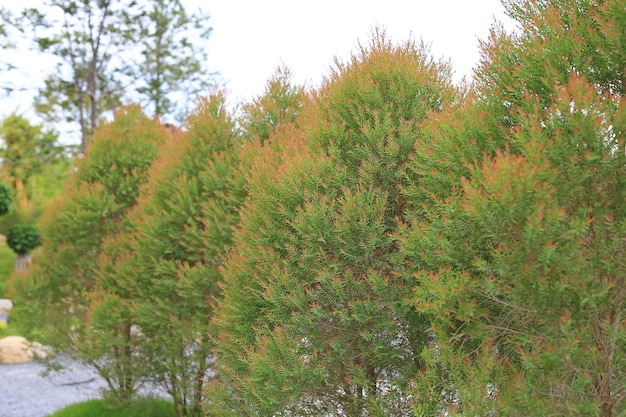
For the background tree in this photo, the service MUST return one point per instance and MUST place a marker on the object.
(312, 320)
(172, 70)
(6, 43)
(3, 17)
(93, 43)
(58, 290)
(27, 150)
(83, 37)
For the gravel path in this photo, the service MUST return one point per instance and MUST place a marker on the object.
(25, 393)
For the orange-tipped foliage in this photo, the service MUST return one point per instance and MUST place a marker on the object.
(57, 293)
(165, 268)
(517, 242)
(313, 320)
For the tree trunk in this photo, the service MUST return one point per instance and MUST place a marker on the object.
(21, 194)
(22, 261)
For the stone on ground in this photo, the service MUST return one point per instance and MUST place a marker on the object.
(6, 304)
(14, 350)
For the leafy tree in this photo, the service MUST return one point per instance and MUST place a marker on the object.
(27, 150)
(94, 42)
(313, 319)
(47, 185)
(22, 239)
(516, 243)
(83, 37)
(11, 218)
(6, 43)
(172, 45)
(3, 16)
(60, 288)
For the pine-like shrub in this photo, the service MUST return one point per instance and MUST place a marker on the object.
(58, 294)
(166, 263)
(516, 244)
(313, 319)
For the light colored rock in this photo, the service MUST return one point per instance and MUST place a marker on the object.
(6, 304)
(15, 349)
(40, 351)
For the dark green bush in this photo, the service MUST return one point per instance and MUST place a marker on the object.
(6, 196)
(22, 238)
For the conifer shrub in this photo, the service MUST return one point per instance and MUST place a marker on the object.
(56, 297)
(11, 218)
(312, 319)
(519, 191)
(165, 264)
(280, 104)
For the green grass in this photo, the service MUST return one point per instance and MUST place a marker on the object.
(11, 330)
(147, 407)
(7, 263)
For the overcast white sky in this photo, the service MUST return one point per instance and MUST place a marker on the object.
(252, 37)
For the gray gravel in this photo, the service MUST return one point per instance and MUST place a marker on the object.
(24, 392)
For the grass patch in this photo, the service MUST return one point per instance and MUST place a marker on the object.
(7, 263)
(10, 330)
(145, 407)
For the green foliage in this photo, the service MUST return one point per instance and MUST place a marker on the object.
(560, 38)
(7, 262)
(172, 45)
(23, 238)
(13, 217)
(167, 263)
(57, 293)
(6, 197)
(26, 147)
(148, 407)
(312, 320)
(46, 186)
(96, 44)
(4, 15)
(280, 103)
(516, 243)
(27, 151)
(383, 246)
